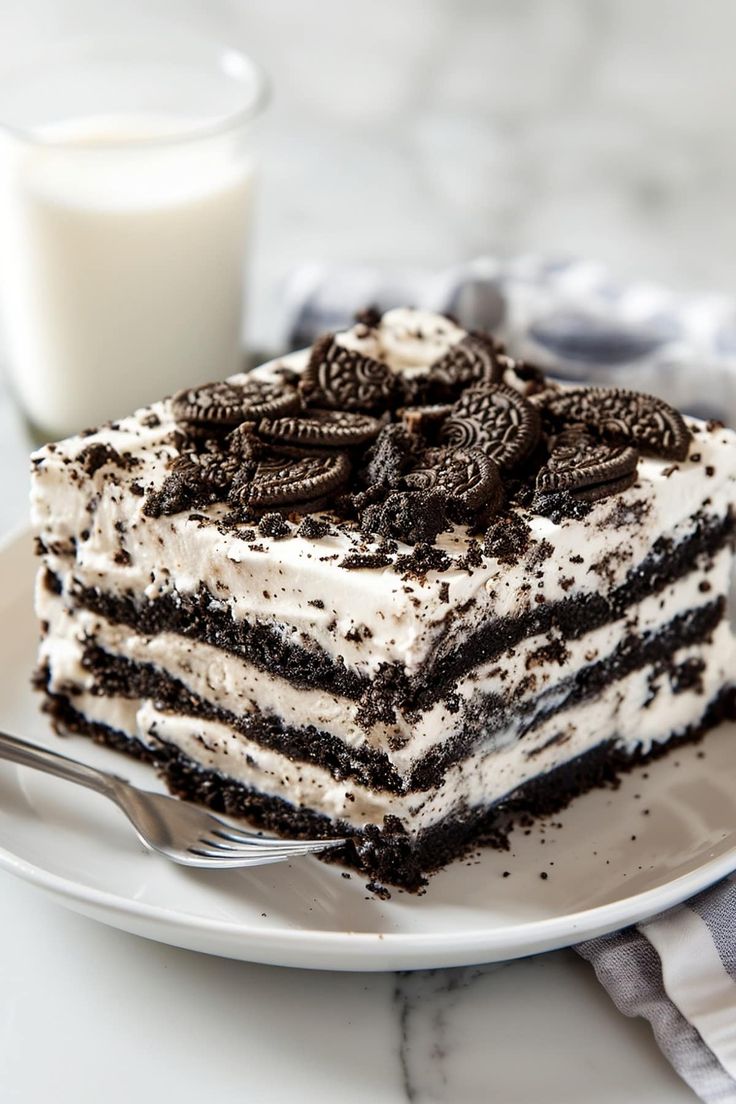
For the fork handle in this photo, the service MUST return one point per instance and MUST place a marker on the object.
(40, 758)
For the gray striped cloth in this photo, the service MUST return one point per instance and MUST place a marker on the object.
(678, 970)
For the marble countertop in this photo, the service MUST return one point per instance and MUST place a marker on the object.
(126, 1019)
(88, 1013)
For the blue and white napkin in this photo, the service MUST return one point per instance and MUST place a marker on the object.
(572, 318)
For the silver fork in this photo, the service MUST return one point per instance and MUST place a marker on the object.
(182, 832)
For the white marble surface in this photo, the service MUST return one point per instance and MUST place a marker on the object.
(90, 1014)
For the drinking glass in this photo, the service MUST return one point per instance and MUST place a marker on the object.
(126, 179)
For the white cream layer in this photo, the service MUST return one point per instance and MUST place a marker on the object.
(408, 341)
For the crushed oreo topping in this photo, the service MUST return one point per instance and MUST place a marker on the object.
(562, 504)
(507, 539)
(324, 428)
(394, 452)
(369, 317)
(313, 528)
(466, 477)
(498, 420)
(408, 516)
(587, 468)
(177, 494)
(625, 417)
(274, 525)
(406, 457)
(365, 559)
(344, 379)
(228, 404)
(424, 558)
(94, 457)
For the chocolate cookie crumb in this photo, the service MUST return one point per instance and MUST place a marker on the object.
(312, 528)
(94, 457)
(424, 558)
(408, 516)
(273, 525)
(379, 891)
(356, 560)
(507, 540)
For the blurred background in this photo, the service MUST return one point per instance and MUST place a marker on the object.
(416, 135)
(426, 132)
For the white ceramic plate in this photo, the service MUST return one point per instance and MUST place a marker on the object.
(79, 848)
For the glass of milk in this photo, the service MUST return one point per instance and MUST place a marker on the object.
(126, 171)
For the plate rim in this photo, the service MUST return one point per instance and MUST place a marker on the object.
(527, 937)
(586, 922)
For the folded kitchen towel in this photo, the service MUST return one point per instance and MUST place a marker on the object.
(677, 970)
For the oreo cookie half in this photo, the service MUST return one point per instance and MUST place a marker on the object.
(498, 420)
(586, 468)
(285, 478)
(229, 404)
(344, 379)
(323, 428)
(624, 416)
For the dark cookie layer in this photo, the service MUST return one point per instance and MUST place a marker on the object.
(636, 652)
(199, 617)
(488, 714)
(572, 618)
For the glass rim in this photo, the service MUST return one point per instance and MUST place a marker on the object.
(224, 58)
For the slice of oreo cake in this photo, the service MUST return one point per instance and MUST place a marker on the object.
(399, 587)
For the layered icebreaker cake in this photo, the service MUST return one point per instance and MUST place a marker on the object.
(399, 587)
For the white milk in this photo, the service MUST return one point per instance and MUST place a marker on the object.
(121, 266)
